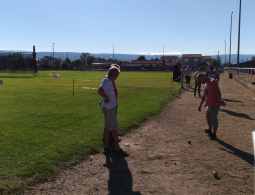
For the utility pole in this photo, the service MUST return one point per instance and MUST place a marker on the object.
(238, 48)
(230, 41)
(218, 59)
(225, 50)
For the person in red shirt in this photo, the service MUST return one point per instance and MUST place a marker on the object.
(212, 96)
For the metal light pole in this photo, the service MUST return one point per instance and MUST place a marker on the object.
(230, 41)
(225, 50)
(53, 55)
(238, 48)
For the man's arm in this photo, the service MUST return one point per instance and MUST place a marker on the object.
(218, 79)
(201, 103)
(101, 92)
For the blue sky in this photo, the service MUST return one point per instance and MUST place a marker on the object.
(132, 26)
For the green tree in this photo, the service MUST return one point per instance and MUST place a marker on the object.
(57, 63)
(216, 62)
(99, 59)
(90, 60)
(77, 63)
(84, 57)
(67, 63)
(141, 58)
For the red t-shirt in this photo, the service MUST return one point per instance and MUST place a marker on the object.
(210, 94)
(114, 89)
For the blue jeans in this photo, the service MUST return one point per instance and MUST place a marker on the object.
(197, 87)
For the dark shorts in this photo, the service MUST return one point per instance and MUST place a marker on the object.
(187, 79)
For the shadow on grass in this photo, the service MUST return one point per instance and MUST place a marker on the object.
(120, 177)
(17, 76)
(228, 100)
(236, 114)
(249, 158)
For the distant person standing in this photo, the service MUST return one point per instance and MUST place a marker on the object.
(187, 76)
(182, 76)
(213, 74)
(197, 83)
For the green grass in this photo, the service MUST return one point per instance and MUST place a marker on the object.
(44, 127)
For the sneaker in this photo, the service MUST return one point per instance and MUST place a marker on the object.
(182, 87)
(213, 136)
(208, 131)
(121, 153)
(200, 96)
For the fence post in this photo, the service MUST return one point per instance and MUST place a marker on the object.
(251, 75)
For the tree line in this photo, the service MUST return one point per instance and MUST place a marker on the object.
(16, 61)
(85, 60)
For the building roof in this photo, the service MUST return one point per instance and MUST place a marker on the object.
(191, 55)
(168, 57)
(110, 62)
(146, 62)
(206, 57)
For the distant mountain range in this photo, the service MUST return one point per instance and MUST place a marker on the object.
(128, 57)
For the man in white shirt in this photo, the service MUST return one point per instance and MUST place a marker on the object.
(108, 105)
(182, 76)
(197, 83)
(187, 76)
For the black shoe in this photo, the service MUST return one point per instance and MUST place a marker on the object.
(213, 136)
(200, 96)
(194, 95)
(182, 87)
(208, 132)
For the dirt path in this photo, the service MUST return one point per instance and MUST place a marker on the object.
(161, 160)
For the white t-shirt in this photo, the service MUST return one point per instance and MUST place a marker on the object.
(195, 75)
(106, 84)
(187, 72)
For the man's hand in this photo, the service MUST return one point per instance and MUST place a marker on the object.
(102, 94)
(199, 108)
(106, 100)
(222, 103)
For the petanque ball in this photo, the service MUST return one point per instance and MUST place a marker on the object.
(189, 142)
(215, 174)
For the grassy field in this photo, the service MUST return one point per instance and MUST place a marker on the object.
(44, 127)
